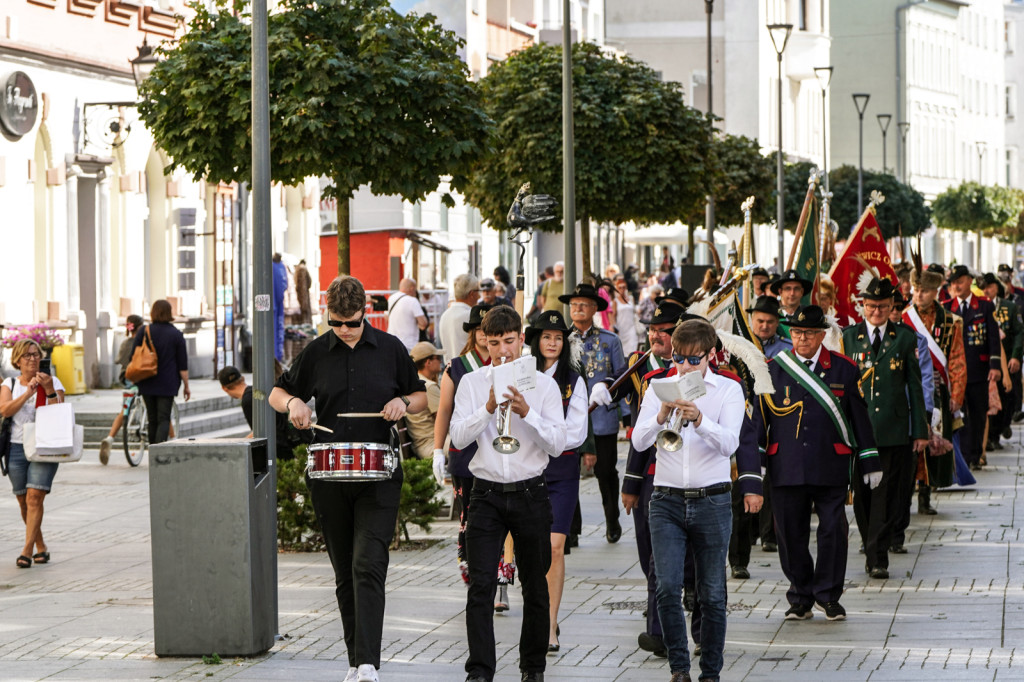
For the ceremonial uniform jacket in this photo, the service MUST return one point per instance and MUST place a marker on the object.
(601, 358)
(783, 328)
(801, 443)
(944, 328)
(890, 382)
(980, 334)
(632, 391)
(1008, 318)
(775, 345)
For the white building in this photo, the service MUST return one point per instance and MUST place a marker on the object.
(1013, 24)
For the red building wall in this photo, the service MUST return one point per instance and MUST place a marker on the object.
(369, 254)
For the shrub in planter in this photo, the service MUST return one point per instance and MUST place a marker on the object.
(297, 527)
(418, 505)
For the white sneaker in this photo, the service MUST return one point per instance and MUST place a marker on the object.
(367, 673)
(351, 677)
(105, 450)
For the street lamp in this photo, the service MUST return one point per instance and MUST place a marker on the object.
(883, 123)
(860, 100)
(143, 64)
(904, 126)
(824, 76)
(709, 218)
(980, 144)
(780, 36)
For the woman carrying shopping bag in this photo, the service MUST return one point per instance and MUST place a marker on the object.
(31, 481)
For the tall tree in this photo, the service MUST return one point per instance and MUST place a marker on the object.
(640, 151)
(358, 93)
(979, 208)
(902, 213)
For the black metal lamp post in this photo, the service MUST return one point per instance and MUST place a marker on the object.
(143, 64)
(860, 100)
(883, 123)
(709, 218)
(904, 126)
(780, 36)
(824, 76)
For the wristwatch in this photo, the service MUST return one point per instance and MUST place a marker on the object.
(404, 400)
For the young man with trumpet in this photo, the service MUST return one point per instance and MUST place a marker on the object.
(691, 504)
(509, 495)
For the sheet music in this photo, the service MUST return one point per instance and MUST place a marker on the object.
(521, 373)
(689, 386)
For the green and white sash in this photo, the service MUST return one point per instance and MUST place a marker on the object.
(471, 361)
(813, 384)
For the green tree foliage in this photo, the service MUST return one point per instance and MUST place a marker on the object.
(358, 93)
(418, 505)
(795, 181)
(903, 211)
(738, 170)
(980, 208)
(297, 527)
(640, 151)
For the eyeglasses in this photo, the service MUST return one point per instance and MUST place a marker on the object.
(32, 356)
(874, 306)
(582, 304)
(351, 324)
(656, 332)
(805, 333)
(692, 359)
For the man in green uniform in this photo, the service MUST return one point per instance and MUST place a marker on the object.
(890, 381)
(1012, 338)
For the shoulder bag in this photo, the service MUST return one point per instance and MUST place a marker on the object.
(144, 361)
(5, 437)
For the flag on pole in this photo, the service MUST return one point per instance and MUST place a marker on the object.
(864, 256)
(807, 264)
(741, 324)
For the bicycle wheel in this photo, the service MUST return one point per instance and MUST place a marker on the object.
(175, 431)
(136, 433)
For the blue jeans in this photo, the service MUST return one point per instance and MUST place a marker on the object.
(706, 524)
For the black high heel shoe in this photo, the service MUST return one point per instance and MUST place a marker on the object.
(553, 648)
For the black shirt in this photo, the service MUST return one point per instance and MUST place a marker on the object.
(360, 379)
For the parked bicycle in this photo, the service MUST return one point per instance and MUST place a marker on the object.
(135, 432)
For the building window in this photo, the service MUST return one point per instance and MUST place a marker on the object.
(1009, 36)
(1011, 100)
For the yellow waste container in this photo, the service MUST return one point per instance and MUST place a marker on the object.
(68, 361)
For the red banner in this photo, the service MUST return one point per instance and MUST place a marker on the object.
(863, 257)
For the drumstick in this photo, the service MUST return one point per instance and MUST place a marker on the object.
(360, 415)
(322, 428)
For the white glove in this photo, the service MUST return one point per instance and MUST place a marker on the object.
(439, 466)
(936, 419)
(873, 479)
(599, 395)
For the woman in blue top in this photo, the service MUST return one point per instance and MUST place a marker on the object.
(159, 390)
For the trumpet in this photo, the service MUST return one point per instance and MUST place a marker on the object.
(505, 443)
(671, 439)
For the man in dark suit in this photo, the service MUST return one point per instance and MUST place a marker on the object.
(981, 348)
(890, 381)
(1012, 339)
(812, 430)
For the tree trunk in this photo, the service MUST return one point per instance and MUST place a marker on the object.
(584, 247)
(343, 236)
(691, 245)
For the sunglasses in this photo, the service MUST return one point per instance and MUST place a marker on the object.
(692, 359)
(351, 324)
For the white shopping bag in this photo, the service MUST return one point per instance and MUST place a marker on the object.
(54, 436)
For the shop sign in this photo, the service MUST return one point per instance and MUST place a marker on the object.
(20, 104)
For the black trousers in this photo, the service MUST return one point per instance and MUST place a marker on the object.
(607, 475)
(358, 521)
(878, 511)
(811, 580)
(463, 486)
(906, 498)
(158, 414)
(645, 555)
(766, 522)
(739, 543)
(527, 516)
(976, 407)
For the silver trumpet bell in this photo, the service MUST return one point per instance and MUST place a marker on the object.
(505, 443)
(670, 439)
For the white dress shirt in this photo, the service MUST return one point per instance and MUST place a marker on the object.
(576, 417)
(703, 459)
(871, 333)
(814, 360)
(449, 329)
(541, 435)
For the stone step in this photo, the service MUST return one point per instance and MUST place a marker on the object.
(230, 420)
(190, 408)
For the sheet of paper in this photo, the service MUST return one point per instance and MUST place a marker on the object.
(689, 386)
(521, 373)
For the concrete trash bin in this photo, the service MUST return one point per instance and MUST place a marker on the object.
(213, 514)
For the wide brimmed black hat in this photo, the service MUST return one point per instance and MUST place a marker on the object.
(879, 289)
(809, 317)
(584, 290)
(791, 276)
(760, 272)
(665, 314)
(548, 320)
(476, 316)
(676, 296)
(1003, 267)
(899, 301)
(959, 271)
(766, 304)
(989, 278)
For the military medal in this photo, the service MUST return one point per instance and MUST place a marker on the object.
(786, 400)
(867, 364)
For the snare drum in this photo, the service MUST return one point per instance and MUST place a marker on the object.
(350, 461)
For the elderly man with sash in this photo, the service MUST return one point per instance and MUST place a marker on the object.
(981, 351)
(812, 430)
(1011, 333)
(890, 381)
(942, 331)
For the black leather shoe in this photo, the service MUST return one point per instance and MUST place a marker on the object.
(533, 677)
(740, 573)
(898, 549)
(995, 445)
(1017, 417)
(614, 531)
(833, 610)
(652, 643)
(477, 678)
(879, 573)
(689, 599)
(989, 447)
(696, 650)
(769, 547)
(799, 612)
(1007, 433)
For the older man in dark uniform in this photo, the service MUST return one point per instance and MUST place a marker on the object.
(890, 381)
(813, 428)
(981, 350)
(1012, 338)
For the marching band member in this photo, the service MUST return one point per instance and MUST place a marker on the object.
(789, 289)
(890, 382)
(548, 339)
(690, 505)
(816, 410)
(981, 351)
(354, 368)
(509, 495)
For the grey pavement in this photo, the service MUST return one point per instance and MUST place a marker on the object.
(954, 607)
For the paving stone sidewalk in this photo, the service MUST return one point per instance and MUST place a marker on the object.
(954, 608)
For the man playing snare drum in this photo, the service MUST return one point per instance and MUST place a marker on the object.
(354, 369)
